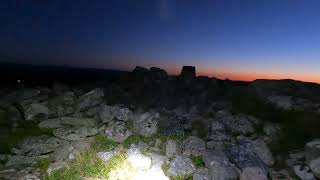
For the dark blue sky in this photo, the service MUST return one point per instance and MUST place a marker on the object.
(239, 39)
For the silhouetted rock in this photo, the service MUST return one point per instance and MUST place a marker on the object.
(188, 72)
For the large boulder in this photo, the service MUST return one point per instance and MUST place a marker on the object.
(36, 112)
(62, 105)
(243, 155)
(90, 99)
(36, 146)
(146, 124)
(220, 168)
(180, 166)
(158, 74)
(75, 133)
(188, 72)
(117, 131)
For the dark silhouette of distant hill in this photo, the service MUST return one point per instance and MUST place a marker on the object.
(10, 72)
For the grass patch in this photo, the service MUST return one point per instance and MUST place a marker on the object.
(197, 160)
(103, 143)
(134, 139)
(43, 165)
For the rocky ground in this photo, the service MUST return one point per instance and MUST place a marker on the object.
(148, 125)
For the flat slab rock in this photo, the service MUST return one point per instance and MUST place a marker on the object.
(75, 133)
(35, 146)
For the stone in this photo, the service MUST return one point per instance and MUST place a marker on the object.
(69, 150)
(201, 174)
(281, 102)
(243, 155)
(303, 172)
(17, 160)
(312, 150)
(238, 124)
(253, 173)
(295, 158)
(158, 160)
(50, 124)
(280, 175)
(218, 139)
(55, 166)
(36, 112)
(137, 159)
(117, 131)
(110, 113)
(188, 72)
(263, 152)
(154, 173)
(158, 73)
(180, 166)
(90, 99)
(36, 146)
(172, 148)
(220, 168)
(75, 133)
(146, 124)
(105, 156)
(62, 105)
(315, 167)
(193, 145)
(75, 121)
(27, 173)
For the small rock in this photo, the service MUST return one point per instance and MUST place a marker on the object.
(56, 166)
(220, 168)
(315, 167)
(193, 145)
(180, 166)
(253, 173)
(201, 174)
(263, 152)
(117, 131)
(137, 159)
(172, 148)
(146, 124)
(158, 160)
(303, 172)
(106, 156)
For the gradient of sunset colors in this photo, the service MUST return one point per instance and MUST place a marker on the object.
(235, 39)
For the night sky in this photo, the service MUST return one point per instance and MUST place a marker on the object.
(236, 39)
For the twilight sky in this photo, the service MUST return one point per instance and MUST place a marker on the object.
(236, 39)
